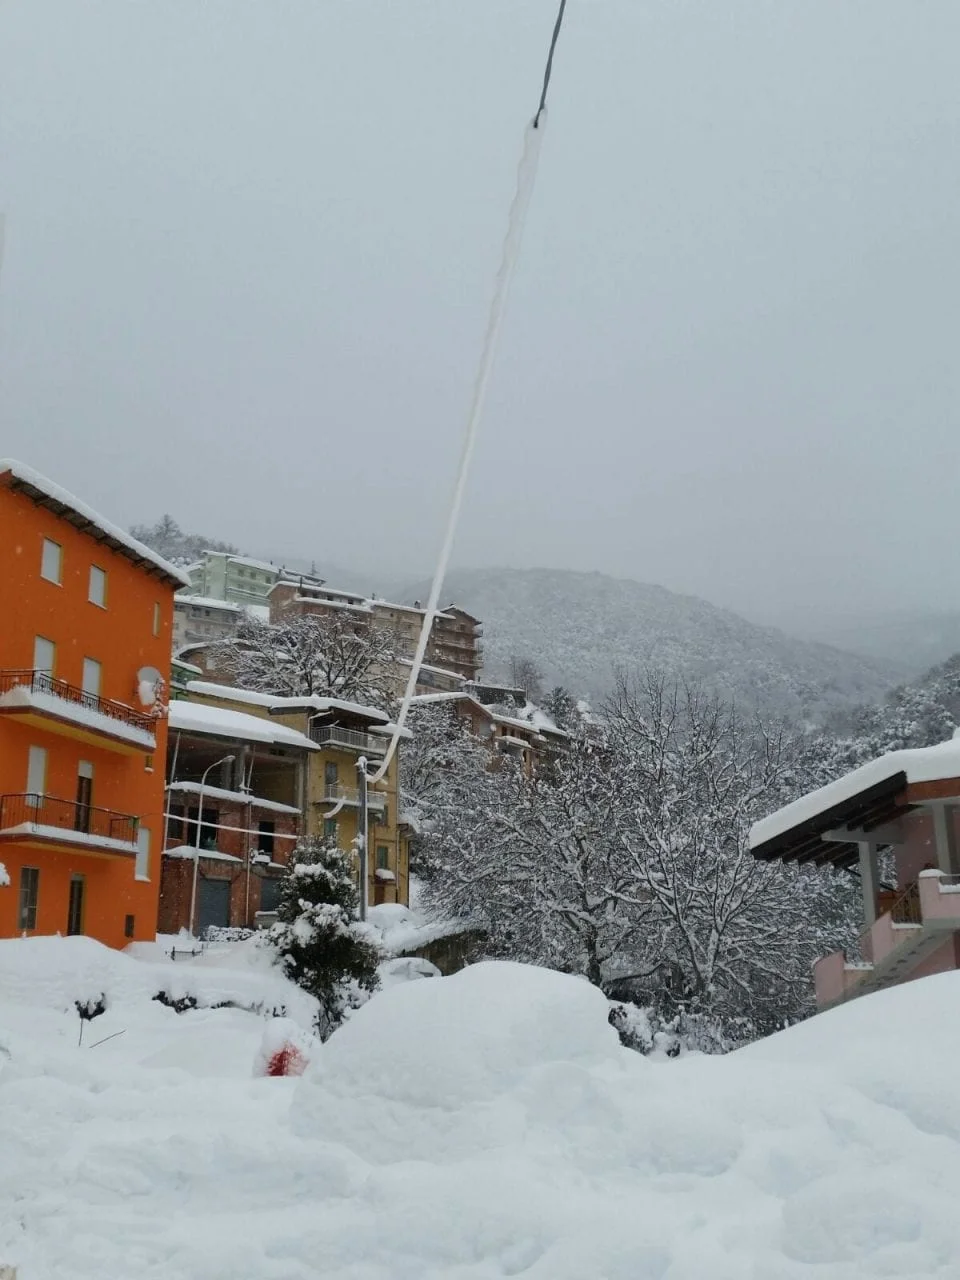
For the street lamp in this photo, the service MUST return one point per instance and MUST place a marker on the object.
(196, 847)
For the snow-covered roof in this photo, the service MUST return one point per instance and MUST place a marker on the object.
(244, 560)
(513, 741)
(185, 666)
(919, 764)
(237, 797)
(408, 608)
(206, 602)
(440, 671)
(222, 722)
(307, 702)
(259, 611)
(389, 729)
(64, 504)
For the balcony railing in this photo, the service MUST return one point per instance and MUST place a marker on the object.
(333, 793)
(349, 739)
(906, 909)
(43, 682)
(66, 815)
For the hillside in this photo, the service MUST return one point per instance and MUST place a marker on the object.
(581, 627)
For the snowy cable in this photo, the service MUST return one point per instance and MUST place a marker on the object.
(526, 176)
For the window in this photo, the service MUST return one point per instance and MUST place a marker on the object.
(265, 836)
(51, 561)
(91, 677)
(383, 857)
(270, 894)
(29, 893)
(330, 773)
(44, 655)
(36, 774)
(141, 869)
(330, 829)
(128, 923)
(208, 827)
(156, 618)
(175, 824)
(97, 594)
(75, 907)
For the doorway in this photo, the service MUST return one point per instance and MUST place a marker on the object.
(75, 908)
(84, 796)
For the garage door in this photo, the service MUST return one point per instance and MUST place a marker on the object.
(213, 904)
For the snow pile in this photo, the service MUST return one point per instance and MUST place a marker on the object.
(56, 973)
(483, 1126)
(285, 1049)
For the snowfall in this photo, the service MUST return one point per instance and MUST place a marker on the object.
(483, 1125)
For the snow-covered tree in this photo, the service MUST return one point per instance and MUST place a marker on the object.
(324, 949)
(328, 654)
(169, 540)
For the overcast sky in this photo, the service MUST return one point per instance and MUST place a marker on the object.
(251, 243)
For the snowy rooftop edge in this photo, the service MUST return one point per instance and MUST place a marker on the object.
(20, 471)
(224, 722)
(241, 797)
(269, 700)
(919, 764)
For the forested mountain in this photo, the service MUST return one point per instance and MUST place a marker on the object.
(581, 627)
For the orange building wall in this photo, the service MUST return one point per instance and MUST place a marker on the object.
(120, 637)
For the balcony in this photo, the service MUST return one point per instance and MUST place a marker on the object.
(38, 698)
(348, 740)
(333, 793)
(903, 943)
(63, 824)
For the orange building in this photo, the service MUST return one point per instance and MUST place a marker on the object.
(84, 665)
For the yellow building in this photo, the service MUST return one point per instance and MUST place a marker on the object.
(341, 732)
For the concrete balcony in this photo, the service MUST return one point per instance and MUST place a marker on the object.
(354, 740)
(905, 942)
(37, 698)
(48, 822)
(333, 793)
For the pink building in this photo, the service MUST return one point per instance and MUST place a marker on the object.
(907, 802)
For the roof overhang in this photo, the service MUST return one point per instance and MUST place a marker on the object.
(870, 809)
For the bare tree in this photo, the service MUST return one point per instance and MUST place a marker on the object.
(329, 655)
(526, 675)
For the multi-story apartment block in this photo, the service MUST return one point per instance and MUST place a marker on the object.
(84, 665)
(236, 787)
(223, 576)
(203, 618)
(338, 733)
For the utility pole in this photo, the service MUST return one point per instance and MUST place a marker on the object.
(363, 831)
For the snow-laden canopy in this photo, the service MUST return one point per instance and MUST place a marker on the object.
(223, 722)
(898, 768)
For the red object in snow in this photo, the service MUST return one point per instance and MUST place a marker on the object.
(288, 1061)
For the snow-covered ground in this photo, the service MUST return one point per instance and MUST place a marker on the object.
(480, 1126)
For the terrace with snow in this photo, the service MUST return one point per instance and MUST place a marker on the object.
(907, 802)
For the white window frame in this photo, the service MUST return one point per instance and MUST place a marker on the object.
(44, 655)
(86, 683)
(36, 774)
(99, 576)
(141, 870)
(51, 562)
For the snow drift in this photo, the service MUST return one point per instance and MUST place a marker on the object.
(490, 1125)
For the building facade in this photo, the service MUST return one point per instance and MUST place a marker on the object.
(234, 801)
(84, 671)
(339, 733)
(905, 803)
(223, 576)
(199, 619)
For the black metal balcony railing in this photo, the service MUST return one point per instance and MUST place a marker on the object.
(43, 682)
(66, 815)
